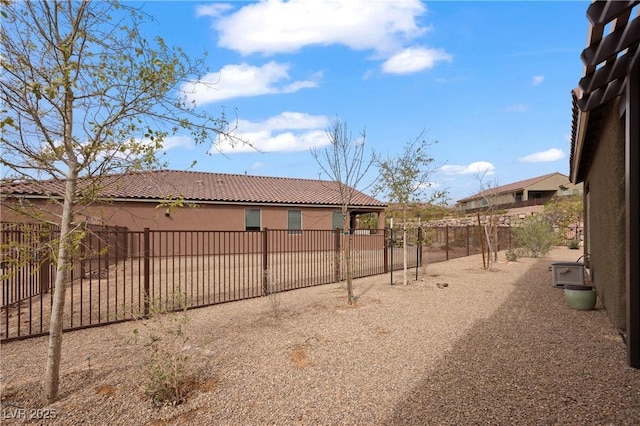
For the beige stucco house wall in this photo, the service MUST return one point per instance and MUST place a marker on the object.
(604, 205)
(539, 188)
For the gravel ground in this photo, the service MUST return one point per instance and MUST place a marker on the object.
(458, 346)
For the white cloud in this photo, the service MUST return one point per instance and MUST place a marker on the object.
(517, 108)
(243, 80)
(414, 59)
(537, 80)
(171, 142)
(212, 10)
(478, 167)
(279, 26)
(288, 131)
(553, 154)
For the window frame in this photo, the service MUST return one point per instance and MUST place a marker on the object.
(293, 230)
(246, 220)
(338, 214)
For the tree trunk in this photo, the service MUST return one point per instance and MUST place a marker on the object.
(52, 374)
(54, 353)
(487, 238)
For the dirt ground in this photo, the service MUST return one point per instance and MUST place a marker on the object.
(460, 345)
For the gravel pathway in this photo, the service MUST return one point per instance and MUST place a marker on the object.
(459, 346)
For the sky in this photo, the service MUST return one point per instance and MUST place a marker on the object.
(488, 83)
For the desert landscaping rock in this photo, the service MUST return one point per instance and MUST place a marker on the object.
(494, 347)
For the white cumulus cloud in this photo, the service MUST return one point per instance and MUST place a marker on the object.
(553, 154)
(288, 131)
(478, 167)
(414, 59)
(385, 28)
(537, 80)
(279, 26)
(243, 80)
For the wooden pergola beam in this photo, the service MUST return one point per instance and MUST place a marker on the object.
(602, 95)
(600, 13)
(623, 37)
(610, 72)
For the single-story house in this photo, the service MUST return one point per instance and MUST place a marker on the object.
(533, 191)
(190, 200)
(605, 156)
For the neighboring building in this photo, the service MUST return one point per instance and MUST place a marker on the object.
(605, 156)
(210, 201)
(529, 192)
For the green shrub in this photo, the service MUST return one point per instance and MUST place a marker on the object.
(573, 244)
(535, 236)
(511, 255)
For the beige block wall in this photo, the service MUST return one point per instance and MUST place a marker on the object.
(605, 217)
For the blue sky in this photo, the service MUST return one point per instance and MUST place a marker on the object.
(489, 81)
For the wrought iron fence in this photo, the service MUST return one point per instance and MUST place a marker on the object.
(120, 275)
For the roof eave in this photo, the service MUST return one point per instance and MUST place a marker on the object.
(578, 146)
(382, 206)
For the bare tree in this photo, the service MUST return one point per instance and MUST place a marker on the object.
(344, 162)
(406, 179)
(489, 228)
(85, 95)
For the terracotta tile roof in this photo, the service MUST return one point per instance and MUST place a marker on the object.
(204, 187)
(511, 187)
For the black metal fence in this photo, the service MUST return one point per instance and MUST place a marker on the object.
(120, 275)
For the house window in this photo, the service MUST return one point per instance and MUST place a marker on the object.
(252, 219)
(336, 219)
(294, 222)
(519, 196)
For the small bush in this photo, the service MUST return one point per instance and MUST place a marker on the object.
(511, 255)
(536, 236)
(273, 292)
(573, 244)
(165, 340)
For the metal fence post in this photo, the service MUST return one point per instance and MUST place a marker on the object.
(391, 248)
(265, 261)
(146, 267)
(446, 244)
(419, 251)
(385, 250)
(336, 247)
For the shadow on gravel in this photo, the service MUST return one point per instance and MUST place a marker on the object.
(535, 361)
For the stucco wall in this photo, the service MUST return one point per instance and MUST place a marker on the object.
(552, 183)
(605, 221)
(136, 216)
